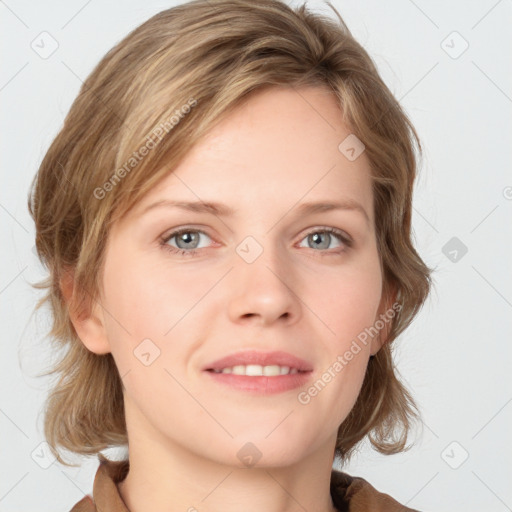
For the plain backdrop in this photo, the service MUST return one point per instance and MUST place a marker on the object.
(449, 64)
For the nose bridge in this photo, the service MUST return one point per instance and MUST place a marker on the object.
(262, 282)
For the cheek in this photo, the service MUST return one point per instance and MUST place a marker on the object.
(349, 310)
(144, 301)
(135, 309)
(350, 301)
(145, 298)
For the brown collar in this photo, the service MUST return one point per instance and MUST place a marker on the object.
(349, 494)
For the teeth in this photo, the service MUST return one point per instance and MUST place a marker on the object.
(258, 370)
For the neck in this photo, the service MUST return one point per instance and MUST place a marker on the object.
(164, 476)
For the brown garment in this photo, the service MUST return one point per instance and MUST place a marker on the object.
(349, 494)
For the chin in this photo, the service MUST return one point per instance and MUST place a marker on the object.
(260, 453)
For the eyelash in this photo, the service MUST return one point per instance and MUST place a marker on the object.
(192, 252)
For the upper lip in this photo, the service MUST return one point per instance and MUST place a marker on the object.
(245, 357)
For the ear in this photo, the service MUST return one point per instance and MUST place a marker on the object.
(88, 321)
(386, 305)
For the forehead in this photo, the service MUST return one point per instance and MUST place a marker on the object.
(281, 146)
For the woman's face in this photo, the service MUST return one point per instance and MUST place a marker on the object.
(260, 273)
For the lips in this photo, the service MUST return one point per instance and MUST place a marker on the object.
(246, 357)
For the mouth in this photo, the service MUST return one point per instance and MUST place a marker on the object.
(253, 362)
(262, 373)
(255, 370)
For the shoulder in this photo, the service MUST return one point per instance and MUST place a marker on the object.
(355, 494)
(84, 505)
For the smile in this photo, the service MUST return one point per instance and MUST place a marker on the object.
(258, 370)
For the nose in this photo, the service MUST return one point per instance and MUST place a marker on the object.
(264, 291)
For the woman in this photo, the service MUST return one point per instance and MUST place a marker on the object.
(226, 218)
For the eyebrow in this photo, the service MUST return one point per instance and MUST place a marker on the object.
(223, 210)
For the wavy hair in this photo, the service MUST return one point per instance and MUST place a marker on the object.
(209, 55)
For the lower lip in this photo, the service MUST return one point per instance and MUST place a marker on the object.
(262, 385)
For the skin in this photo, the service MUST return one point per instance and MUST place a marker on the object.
(264, 159)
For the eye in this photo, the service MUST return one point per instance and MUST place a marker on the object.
(187, 240)
(322, 238)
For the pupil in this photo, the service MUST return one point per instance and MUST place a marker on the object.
(186, 237)
(317, 238)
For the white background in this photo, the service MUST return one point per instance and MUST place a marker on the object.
(456, 357)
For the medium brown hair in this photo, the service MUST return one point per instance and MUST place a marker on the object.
(209, 55)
